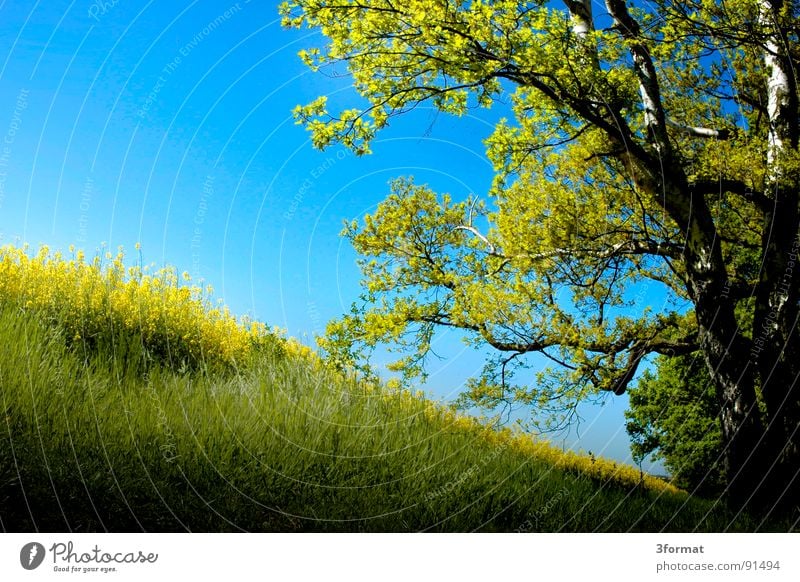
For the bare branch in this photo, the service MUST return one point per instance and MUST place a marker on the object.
(631, 247)
(703, 132)
(477, 233)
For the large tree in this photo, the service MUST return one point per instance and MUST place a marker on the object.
(648, 143)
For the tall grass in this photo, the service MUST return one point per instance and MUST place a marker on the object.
(281, 446)
(98, 435)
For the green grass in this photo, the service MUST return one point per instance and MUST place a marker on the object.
(101, 440)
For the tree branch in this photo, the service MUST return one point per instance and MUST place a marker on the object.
(477, 233)
(703, 132)
(734, 187)
(654, 117)
(631, 247)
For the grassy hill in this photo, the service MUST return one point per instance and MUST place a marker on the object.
(132, 402)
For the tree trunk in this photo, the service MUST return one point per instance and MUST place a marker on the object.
(780, 490)
(776, 348)
(727, 355)
(728, 362)
(758, 462)
(775, 352)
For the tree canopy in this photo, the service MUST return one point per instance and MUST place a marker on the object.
(646, 144)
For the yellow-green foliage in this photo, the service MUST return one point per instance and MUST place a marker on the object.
(94, 298)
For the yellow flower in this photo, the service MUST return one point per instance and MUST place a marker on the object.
(96, 299)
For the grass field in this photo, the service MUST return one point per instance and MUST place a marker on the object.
(110, 423)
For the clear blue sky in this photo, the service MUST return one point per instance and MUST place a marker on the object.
(169, 124)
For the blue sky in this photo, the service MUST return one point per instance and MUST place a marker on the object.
(124, 121)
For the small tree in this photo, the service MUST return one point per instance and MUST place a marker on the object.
(652, 144)
(673, 417)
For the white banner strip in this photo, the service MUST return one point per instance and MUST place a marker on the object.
(401, 557)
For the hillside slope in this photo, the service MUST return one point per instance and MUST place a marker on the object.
(129, 405)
